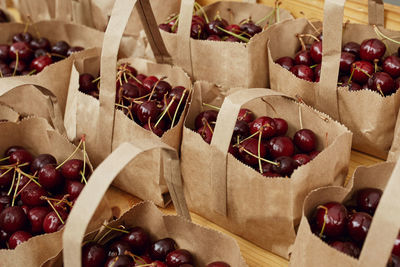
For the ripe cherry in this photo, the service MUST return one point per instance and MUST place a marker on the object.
(265, 125)
(32, 195)
(4, 52)
(40, 43)
(73, 188)
(209, 116)
(25, 53)
(60, 48)
(41, 62)
(372, 49)
(285, 167)
(368, 199)
(160, 249)
(36, 217)
(119, 261)
(396, 247)
(12, 219)
(212, 27)
(382, 82)
(391, 65)
(41, 160)
(305, 140)
(218, 264)
(93, 255)
(281, 126)
(178, 257)
(352, 47)
(74, 49)
(346, 60)
(138, 239)
(148, 109)
(50, 178)
(241, 130)
(20, 156)
(24, 37)
(358, 225)
(86, 83)
(72, 169)
(331, 219)
(206, 133)
(118, 248)
(303, 72)
(303, 57)
(245, 115)
(286, 62)
(347, 247)
(161, 89)
(250, 28)
(51, 222)
(301, 159)
(316, 52)
(281, 146)
(6, 177)
(362, 71)
(18, 238)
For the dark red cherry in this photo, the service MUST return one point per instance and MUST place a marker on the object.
(93, 255)
(301, 159)
(5, 201)
(20, 67)
(209, 116)
(218, 264)
(160, 249)
(157, 130)
(214, 38)
(41, 160)
(206, 132)
(50, 177)
(394, 261)
(25, 53)
(305, 140)
(331, 218)
(41, 62)
(212, 28)
(368, 199)
(382, 82)
(265, 125)
(353, 86)
(178, 92)
(303, 72)
(60, 48)
(40, 52)
(313, 154)
(36, 217)
(6, 177)
(119, 261)
(250, 28)
(196, 31)
(199, 19)
(281, 126)
(74, 188)
(240, 131)
(372, 49)
(352, 47)
(72, 169)
(281, 146)
(161, 89)
(285, 167)
(148, 110)
(346, 60)
(303, 57)
(118, 248)
(358, 225)
(178, 257)
(316, 52)
(129, 91)
(31, 195)
(86, 83)
(138, 239)
(347, 247)
(245, 115)
(391, 65)
(12, 219)
(286, 62)
(74, 49)
(149, 82)
(24, 37)
(20, 156)
(18, 238)
(40, 43)
(362, 71)
(52, 222)
(4, 52)
(396, 247)
(162, 264)
(233, 28)
(165, 27)
(4, 236)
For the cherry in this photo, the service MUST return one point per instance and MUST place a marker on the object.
(245, 115)
(158, 130)
(6, 177)
(196, 30)
(162, 264)
(301, 159)
(347, 247)
(160, 249)
(36, 217)
(50, 178)
(5, 201)
(74, 49)
(285, 167)
(396, 247)
(233, 28)
(25, 53)
(353, 86)
(24, 37)
(346, 60)
(313, 154)
(165, 27)
(368, 199)
(40, 52)
(206, 133)
(41, 160)
(250, 28)
(73, 188)
(119, 261)
(352, 47)
(241, 130)
(20, 156)
(281, 126)
(31, 195)
(72, 169)
(372, 49)
(41, 62)
(286, 62)
(129, 91)
(199, 19)
(148, 110)
(382, 82)
(161, 89)
(51, 222)
(4, 52)
(394, 261)
(178, 257)
(118, 248)
(6, 71)
(86, 83)
(305, 140)
(12, 219)
(303, 72)
(145, 259)
(361, 69)
(233, 150)
(331, 219)
(281, 146)
(214, 38)
(212, 27)
(149, 82)
(358, 225)
(209, 116)
(17, 238)
(40, 43)
(316, 52)
(391, 65)
(20, 67)
(265, 125)
(177, 92)
(138, 239)
(232, 39)
(303, 57)
(93, 255)
(24, 207)
(218, 264)
(4, 236)
(60, 48)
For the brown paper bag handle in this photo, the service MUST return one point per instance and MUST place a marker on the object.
(121, 12)
(221, 139)
(93, 192)
(52, 103)
(385, 225)
(376, 13)
(184, 57)
(327, 98)
(394, 152)
(63, 10)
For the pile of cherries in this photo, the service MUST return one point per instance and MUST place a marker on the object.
(345, 227)
(217, 29)
(36, 194)
(151, 102)
(133, 247)
(28, 55)
(262, 142)
(361, 66)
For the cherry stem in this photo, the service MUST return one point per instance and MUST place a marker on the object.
(310, 35)
(379, 33)
(259, 152)
(165, 111)
(23, 187)
(303, 45)
(277, 4)
(248, 137)
(376, 65)
(351, 76)
(31, 72)
(6, 158)
(133, 77)
(4, 173)
(310, 23)
(325, 218)
(363, 71)
(173, 28)
(300, 118)
(58, 55)
(177, 108)
(84, 161)
(251, 154)
(202, 11)
(62, 200)
(171, 19)
(16, 189)
(211, 106)
(116, 229)
(154, 87)
(73, 153)
(51, 205)
(95, 80)
(266, 17)
(244, 39)
(209, 127)
(16, 63)
(12, 184)
(141, 97)
(31, 177)
(378, 86)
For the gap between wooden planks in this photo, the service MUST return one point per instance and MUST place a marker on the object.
(254, 255)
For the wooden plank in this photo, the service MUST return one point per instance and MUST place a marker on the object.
(355, 10)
